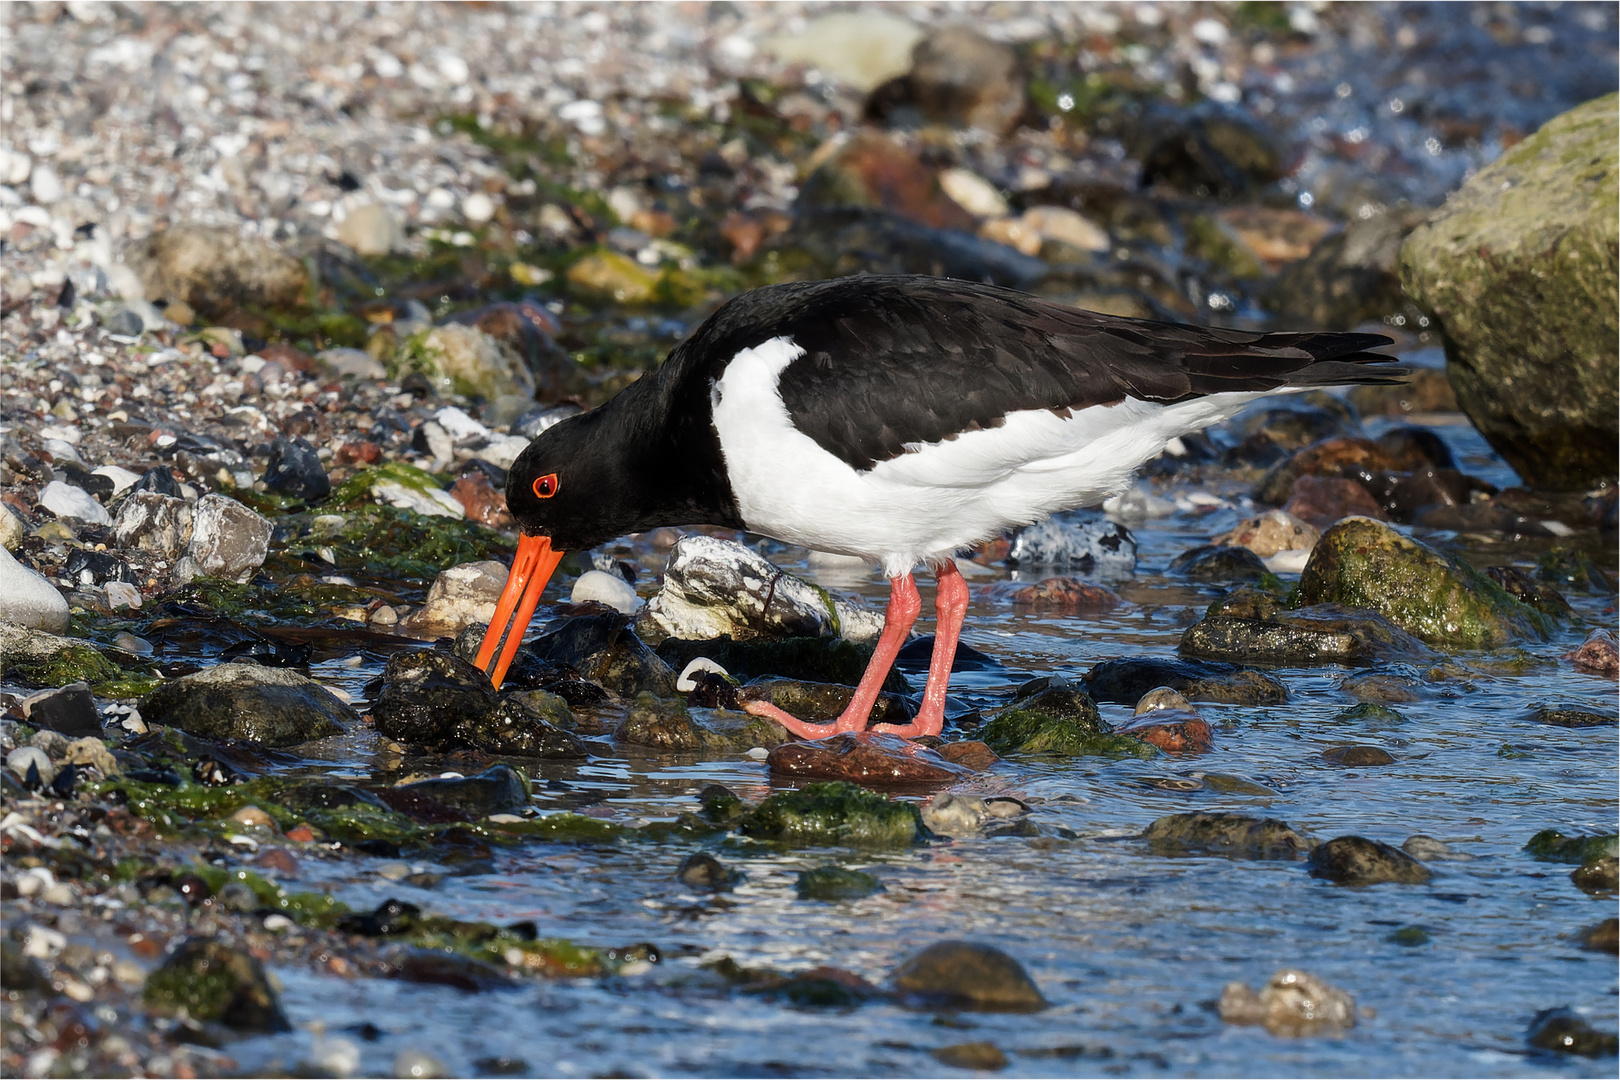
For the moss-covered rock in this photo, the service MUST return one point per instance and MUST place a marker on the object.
(833, 813)
(1059, 721)
(814, 660)
(836, 883)
(610, 276)
(215, 982)
(1439, 598)
(1355, 860)
(35, 658)
(464, 360)
(1520, 266)
(1236, 836)
(1550, 845)
(272, 706)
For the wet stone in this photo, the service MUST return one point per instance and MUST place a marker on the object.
(835, 812)
(462, 596)
(1125, 681)
(1436, 597)
(1570, 717)
(836, 883)
(1095, 548)
(1603, 937)
(700, 870)
(1066, 596)
(1056, 720)
(1306, 637)
(515, 728)
(1234, 836)
(806, 659)
(433, 967)
(1597, 655)
(497, 790)
(1563, 1031)
(1216, 563)
(1354, 860)
(36, 658)
(1321, 501)
(272, 706)
(28, 599)
(1175, 731)
(817, 702)
(1428, 849)
(154, 522)
(867, 758)
(295, 470)
(1392, 686)
(969, 976)
(1293, 1004)
(1357, 756)
(966, 815)
(426, 695)
(1550, 845)
(1272, 532)
(604, 650)
(979, 1056)
(1600, 876)
(214, 981)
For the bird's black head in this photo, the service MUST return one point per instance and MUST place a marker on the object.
(571, 485)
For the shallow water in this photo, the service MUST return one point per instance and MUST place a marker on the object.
(1131, 949)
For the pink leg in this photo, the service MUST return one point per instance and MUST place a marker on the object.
(904, 607)
(950, 605)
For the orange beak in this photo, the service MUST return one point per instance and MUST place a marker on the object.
(531, 569)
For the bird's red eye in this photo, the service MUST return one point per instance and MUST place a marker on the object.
(546, 486)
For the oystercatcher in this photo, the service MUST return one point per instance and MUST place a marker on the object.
(899, 419)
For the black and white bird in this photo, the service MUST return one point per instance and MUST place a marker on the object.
(899, 419)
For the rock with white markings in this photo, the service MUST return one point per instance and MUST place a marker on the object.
(717, 588)
(227, 539)
(460, 597)
(148, 521)
(1098, 548)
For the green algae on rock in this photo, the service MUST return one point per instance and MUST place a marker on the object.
(36, 658)
(270, 706)
(216, 982)
(1439, 598)
(1550, 845)
(1236, 836)
(464, 360)
(1520, 267)
(1061, 721)
(833, 813)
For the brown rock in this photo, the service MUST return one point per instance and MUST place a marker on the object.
(1172, 730)
(1604, 937)
(1357, 756)
(1271, 532)
(865, 758)
(290, 358)
(481, 501)
(1274, 237)
(957, 77)
(744, 233)
(964, 974)
(1597, 655)
(873, 171)
(359, 452)
(1292, 1005)
(217, 270)
(969, 753)
(1325, 500)
(1067, 596)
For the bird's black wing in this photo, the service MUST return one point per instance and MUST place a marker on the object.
(897, 361)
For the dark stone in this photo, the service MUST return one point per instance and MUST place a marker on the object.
(428, 695)
(834, 813)
(391, 917)
(1056, 720)
(1550, 845)
(836, 883)
(1563, 1031)
(295, 470)
(978, 1056)
(1347, 279)
(1124, 681)
(919, 653)
(1598, 877)
(1215, 562)
(20, 974)
(497, 790)
(272, 706)
(1357, 756)
(1213, 153)
(958, 77)
(703, 871)
(1353, 860)
(95, 484)
(603, 649)
(867, 758)
(69, 710)
(1321, 634)
(720, 803)
(514, 728)
(1563, 716)
(434, 967)
(967, 975)
(216, 982)
(819, 702)
(660, 724)
(810, 659)
(1604, 937)
(1236, 836)
(101, 567)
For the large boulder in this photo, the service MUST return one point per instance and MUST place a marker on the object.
(217, 270)
(270, 706)
(1519, 267)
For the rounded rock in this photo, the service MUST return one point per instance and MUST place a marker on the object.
(967, 975)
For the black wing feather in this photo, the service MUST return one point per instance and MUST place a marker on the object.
(896, 361)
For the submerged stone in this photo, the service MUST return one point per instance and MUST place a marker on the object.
(272, 706)
(1550, 845)
(700, 870)
(497, 790)
(833, 813)
(967, 975)
(215, 982)
(1235, 836)
(1307, 637)
(1218, 563)
(1124, 681)
(1293, 1004)
(1354, 860)
(836, 883)
(805, 659)
(1597, 876)
(1057, 720)
(515, 728)
(1441, 599)
(819, 702)
(1564, 1031)
(1357, 756)
(866, 757)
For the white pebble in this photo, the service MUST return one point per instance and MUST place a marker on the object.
(478, 208)
(605, 588)
(122, 479)
(42, 943)
(758, 753)
(65, 500)
(27, 598)
(121, 594)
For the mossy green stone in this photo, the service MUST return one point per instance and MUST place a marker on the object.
(1366, 564)
(1520, 267)
(836, 883)
(1550, 845)
(1061, 722)
(214, 982)
(834, 813)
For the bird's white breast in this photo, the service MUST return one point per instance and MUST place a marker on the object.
(937, 497)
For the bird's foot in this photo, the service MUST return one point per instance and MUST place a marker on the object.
(918, 728)
(803, 729)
